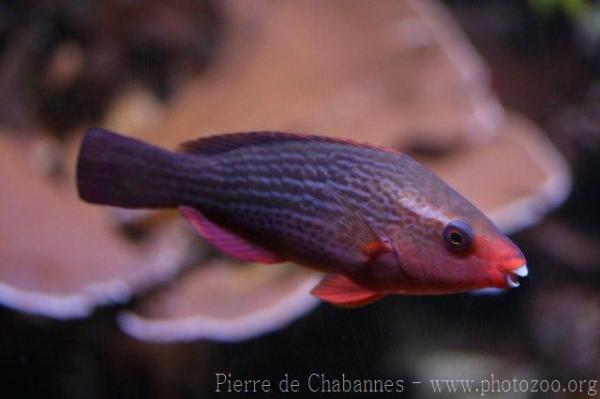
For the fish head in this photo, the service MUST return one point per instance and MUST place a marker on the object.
(478, 255)
(456, 250)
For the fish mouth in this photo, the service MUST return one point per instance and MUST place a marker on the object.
(513, 275)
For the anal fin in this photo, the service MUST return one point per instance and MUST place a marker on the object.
(226, 241)
(339, 290)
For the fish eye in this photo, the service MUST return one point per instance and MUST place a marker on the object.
(458, 236)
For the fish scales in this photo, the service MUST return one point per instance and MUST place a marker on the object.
(265, 190)
(359, 185)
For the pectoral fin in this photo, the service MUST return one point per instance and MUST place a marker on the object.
(339, 290)
(375, 248)
(356, 229)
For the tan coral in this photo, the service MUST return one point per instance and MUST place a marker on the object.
(225, 301)
(515, 178)
(376, 71)
(60, 257)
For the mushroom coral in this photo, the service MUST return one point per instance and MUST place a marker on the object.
(225, 301)
(60, 257)
(376, 71)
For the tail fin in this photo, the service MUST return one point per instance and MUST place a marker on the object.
(122, 171)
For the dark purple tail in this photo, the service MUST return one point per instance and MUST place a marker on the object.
(122, 171)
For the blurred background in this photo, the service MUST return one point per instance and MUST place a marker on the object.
(501, 98)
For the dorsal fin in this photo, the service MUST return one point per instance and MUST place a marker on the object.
(228, 142)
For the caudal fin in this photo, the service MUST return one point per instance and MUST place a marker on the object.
(122, 171)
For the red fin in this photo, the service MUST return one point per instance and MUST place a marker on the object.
(226, 241)
(227, 142)
(339, 290)
(374, 248)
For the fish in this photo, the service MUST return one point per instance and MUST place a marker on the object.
(372, 219)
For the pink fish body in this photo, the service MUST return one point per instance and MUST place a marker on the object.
(373, 219)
